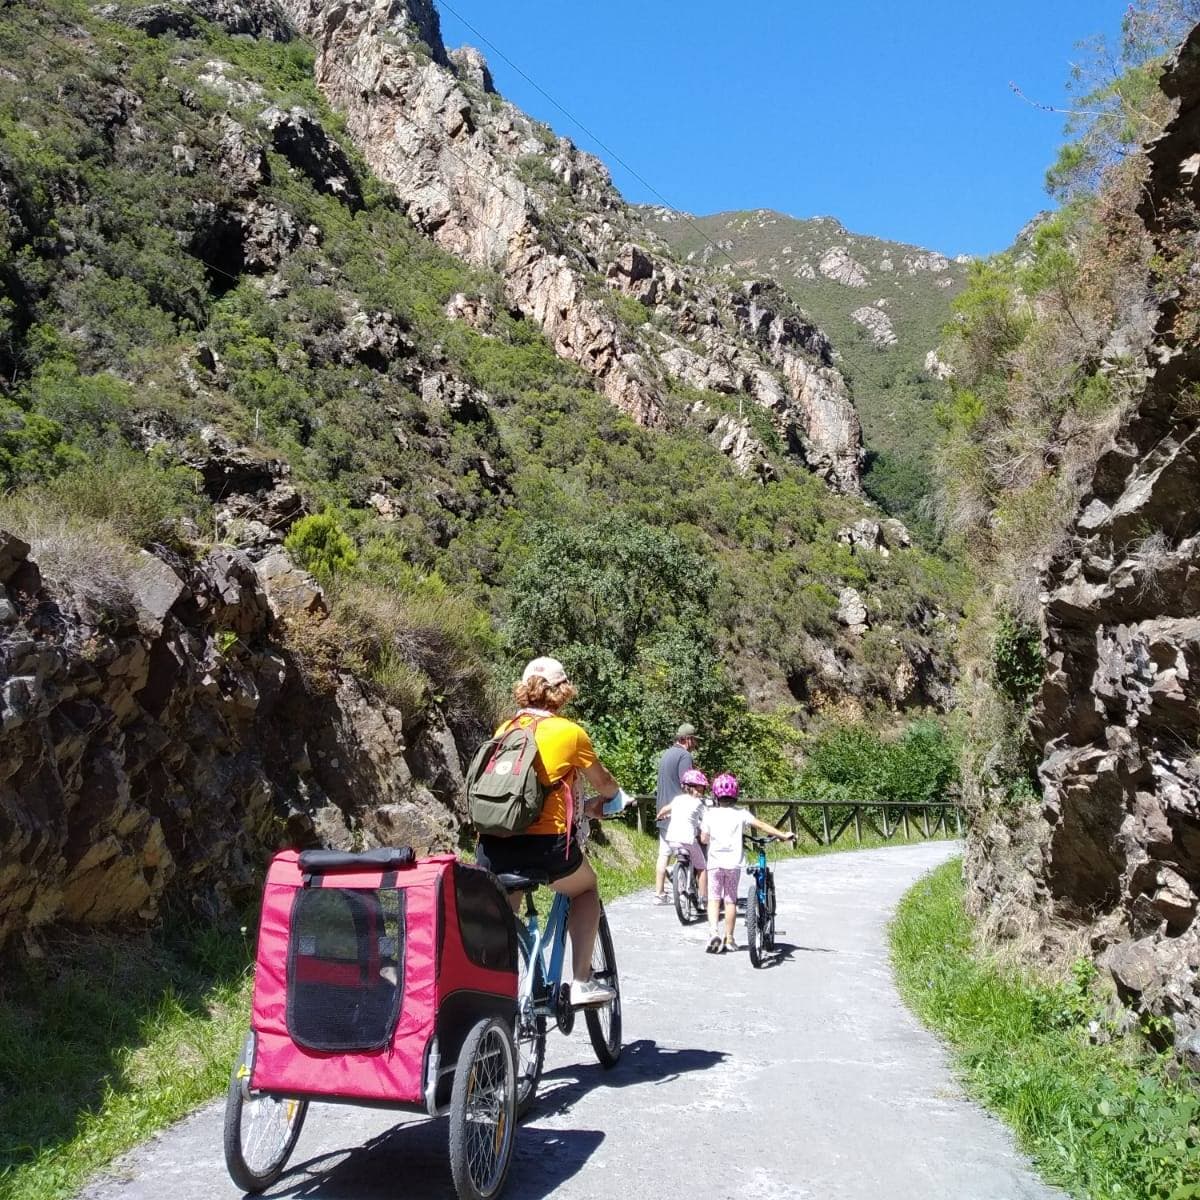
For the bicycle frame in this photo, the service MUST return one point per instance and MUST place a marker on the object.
(547, 952)
(759, 871)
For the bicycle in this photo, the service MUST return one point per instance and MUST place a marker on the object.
(688, 907)
(543, 996)
(760, 904)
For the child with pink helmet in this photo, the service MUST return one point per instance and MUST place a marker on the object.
(682, 815)
(721, 829)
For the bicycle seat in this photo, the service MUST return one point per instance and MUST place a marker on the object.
(525, 882)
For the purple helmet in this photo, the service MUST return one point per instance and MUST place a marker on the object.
(725, 787)
(694, 778)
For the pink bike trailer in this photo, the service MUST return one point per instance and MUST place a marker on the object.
(371, 970)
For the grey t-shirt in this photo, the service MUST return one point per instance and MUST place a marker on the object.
(674, 761)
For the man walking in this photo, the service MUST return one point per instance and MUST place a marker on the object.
(674, 761)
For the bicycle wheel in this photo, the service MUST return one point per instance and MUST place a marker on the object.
(604, 1022)
(530, 1038)
(260, 1130)
(755, 927)
(483, 1111)
(682, 890)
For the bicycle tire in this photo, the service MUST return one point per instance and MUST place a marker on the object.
(280, 1119)
(604, 1021)
(483, 1111)
(769, 940)
(529, 1040)
(681, 894)
(754, 927)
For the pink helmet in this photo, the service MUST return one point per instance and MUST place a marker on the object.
(725, 787)
(694, 778)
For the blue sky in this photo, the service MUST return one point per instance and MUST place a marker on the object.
(895, 118)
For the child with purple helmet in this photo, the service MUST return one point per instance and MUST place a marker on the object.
(721, 829)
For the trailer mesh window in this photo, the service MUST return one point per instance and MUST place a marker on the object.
(485, 921)
(345, 968)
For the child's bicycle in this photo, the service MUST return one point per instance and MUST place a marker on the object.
(760, 904)
(542, 995)
(683, 887)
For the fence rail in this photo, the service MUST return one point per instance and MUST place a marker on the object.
(827, 821)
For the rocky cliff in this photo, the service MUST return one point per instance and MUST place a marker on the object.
(159, 730)
(501, 191)
(1114, 846)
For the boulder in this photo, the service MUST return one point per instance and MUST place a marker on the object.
(852, 610)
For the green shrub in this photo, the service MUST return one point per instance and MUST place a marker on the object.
(142, 499)
(1018, 665)
(855, 764)
(321, 545)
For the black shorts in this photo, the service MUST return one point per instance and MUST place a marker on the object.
(522, 852)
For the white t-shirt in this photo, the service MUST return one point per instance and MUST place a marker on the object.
(684, 822)
(724, 827)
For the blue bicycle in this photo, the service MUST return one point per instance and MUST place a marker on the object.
(542, 995)
(760, 904)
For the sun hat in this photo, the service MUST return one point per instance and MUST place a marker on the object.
(550, 669)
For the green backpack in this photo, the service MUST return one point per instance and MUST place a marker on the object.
(504, 793)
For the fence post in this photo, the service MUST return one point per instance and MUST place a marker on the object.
(825, 824)
(858, 824)
(792, 819)
(904, 818)
(958, 820)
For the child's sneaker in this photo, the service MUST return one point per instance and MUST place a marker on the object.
(714, 945)
(656, 898)
(730, 945)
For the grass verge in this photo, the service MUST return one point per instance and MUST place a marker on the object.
(105, 1040)
(1113, 1121)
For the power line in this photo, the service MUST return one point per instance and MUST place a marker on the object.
(595, 137)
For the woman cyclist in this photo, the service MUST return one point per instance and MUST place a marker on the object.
(548, 845)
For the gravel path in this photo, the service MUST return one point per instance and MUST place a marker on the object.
(807, 1079)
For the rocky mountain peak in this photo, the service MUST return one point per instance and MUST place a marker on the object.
(504, 192)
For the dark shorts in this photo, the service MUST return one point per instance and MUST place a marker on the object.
(529, 852)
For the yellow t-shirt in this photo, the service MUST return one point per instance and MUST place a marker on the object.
(563, 747)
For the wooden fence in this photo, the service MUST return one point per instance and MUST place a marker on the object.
(826, 822)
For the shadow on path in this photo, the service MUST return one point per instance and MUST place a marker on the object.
(412, 1160)
(643, 1061)
(786, 951)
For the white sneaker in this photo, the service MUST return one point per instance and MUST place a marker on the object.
(714, 944)
(590, 994)
(655, 898)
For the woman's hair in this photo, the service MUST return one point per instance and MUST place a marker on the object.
(535, 692)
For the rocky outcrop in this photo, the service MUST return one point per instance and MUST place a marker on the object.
(161, 731)
(254, 18)
(837, 264)
(1115, 842)
(877, 323)
(502, 192)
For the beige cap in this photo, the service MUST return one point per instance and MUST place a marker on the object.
(550, 669)
(685, 731)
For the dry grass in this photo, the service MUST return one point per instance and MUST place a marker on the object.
(86, 560)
